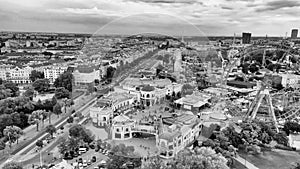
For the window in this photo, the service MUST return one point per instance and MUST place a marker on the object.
(104, 118)
(126, 129)
(117, 135)
(148, 96)
(118, 130)
(127, 135)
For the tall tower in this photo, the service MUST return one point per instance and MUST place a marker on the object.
(294, 33)
(246, 38)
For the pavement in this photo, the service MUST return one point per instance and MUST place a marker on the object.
(246, 163)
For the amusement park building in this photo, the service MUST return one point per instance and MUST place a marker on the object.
(101, 115)
(177, 133)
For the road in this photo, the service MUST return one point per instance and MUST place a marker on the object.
(43, 135)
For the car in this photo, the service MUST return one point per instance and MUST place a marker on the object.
(94, 159)
(92, 146)
(84, 165)
(80, 160)
(82, 150)
(89, 162)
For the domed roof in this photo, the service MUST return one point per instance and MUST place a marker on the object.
(148, 88)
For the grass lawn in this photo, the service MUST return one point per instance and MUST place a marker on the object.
(276, 159)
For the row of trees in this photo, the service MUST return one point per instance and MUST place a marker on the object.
(252, 137)
(198, 158)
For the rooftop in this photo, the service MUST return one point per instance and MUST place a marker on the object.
(148, 88)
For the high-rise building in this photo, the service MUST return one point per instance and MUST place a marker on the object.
(246, 39)
(294, 33)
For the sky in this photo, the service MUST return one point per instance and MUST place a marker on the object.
(170, 17)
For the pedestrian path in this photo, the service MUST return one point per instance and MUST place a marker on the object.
(246, 163)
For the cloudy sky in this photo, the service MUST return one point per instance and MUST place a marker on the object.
(172, 17)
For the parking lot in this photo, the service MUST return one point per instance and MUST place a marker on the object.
(87, 161)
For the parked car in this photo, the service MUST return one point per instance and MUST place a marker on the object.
(94, 159)
(80, 160)
(92, 146)
(82, 150)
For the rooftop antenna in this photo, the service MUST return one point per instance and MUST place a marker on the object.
(286, 35)
(234, 39)
(182, 38)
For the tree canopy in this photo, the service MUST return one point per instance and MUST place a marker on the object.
(61, 92)
(34, 75)
(12, 165)
(64, 80)
(41, 85)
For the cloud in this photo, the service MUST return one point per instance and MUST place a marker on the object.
(279, 4)
(227, 8)
(168, 1)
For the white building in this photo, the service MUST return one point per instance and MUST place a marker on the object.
(177, 133)
(52, 72)
(101, 115)
(121, 127)
(84, 75)
(19, 75)
(119, 101)
(291, 80)
(4, 71)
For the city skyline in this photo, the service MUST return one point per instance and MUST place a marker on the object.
(170, 17)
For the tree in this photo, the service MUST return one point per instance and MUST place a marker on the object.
(4, 92)
(281, 138)
(70, 119)
(64, 80)
(96, 81)
(2, 144)
(110, 72)
(200, 158)
(51, 130)
(39, 143)
(41, 85)
(29, 93)
(90, 88)
(80, 132)
(69, 144)
(61, 92)
(57, 109)
(13, 88)
(154, 163)
(34, 75)
(13, 133)
(12, 165)
(36, 117)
